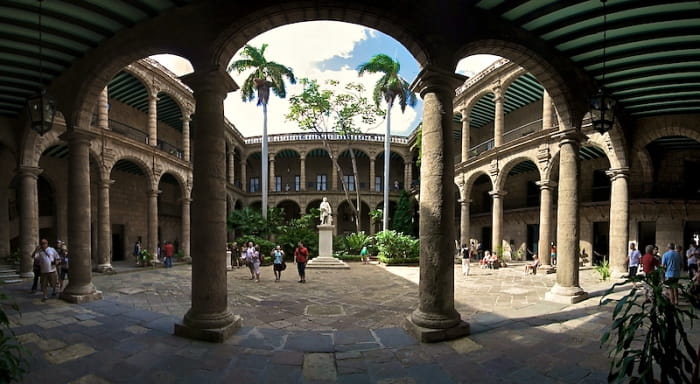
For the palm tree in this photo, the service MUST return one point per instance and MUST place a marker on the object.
(266, 76)
(391, 85)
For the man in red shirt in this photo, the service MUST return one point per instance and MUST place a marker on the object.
(169, 251)
(649, 261)
(301, 256)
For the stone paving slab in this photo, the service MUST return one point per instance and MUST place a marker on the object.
(352, 331)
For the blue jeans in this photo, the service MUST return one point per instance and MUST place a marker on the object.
(168, 262)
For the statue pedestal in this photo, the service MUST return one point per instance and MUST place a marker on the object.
(228, 261)
(325, 257)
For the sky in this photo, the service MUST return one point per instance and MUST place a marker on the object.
(324, 50)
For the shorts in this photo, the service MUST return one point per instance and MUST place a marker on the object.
(279, 267)
(671, 280)
(48, 280)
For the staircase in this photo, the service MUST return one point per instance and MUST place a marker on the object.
(8, 274)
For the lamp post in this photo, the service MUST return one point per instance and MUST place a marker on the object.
(42, 108)
(602, 106)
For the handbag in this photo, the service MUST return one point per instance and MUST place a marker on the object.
(284, 266)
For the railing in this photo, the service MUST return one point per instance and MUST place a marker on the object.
(128, 131)
(171, 149)
(481, 148)
(476, 78)
(327, 136)
(523, 130)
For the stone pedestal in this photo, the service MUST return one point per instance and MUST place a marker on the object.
(325, 257)
(566, 295)
(228, 261)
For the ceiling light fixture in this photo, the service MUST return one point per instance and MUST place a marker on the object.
(602, 104)
(42, 109)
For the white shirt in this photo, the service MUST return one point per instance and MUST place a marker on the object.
(635, 257)
(47, 258)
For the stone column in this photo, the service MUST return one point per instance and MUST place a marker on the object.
(302, 176)
(407, 176)
(497, 220)
(104, 234)
(209, 318)
(619, 220)
(334, 178)
(372, 186)
(547, 112)
(498, 117)
(567, 289)
(543, 245)
(4, 221)
(465, 134)
(28, 218)
(436, 319)
(103, 110)
(80, 288)
(244, 176)
(272, 172)
(152, 244)
(153, 118)
(186, 137)
(464, 221)
(410, 175)
(231, 167)
(185, 236)
(61, 212)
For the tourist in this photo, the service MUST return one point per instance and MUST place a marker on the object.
(672, 261)
(257, 260)
(553, 253)
(634, 258)
(301, 256)
(465, 259)
(243, 252)
(532, 267)
(48, 259)
(37, 272)
(249, 259)
(137, 251)
(693, 263)
(278, 264)
(364, 255)
(649, 261)
(235, 255)
(63, 269)
(169, 252)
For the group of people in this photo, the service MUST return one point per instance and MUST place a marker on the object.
(51, 266)
(249, 255)
(671, 261)
(165, 251)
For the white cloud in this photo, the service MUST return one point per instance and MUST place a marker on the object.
(176, 64)
(470, 66)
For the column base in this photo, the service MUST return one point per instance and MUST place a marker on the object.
(547, 269)
(27, 275)
(81, 298)
(212, 335)
(566, 295)
(431, 335)
(104, 268)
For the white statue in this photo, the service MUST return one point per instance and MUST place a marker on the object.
(326, 212)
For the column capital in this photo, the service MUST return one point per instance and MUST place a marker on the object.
(78, 135)
(433, 78)
(546, 184)
(570, 136)
(497, 92)
(153, 192)
(106, 183)
(497, 194)
(186, 200)
(464, 202)
(465, 117)
(32, 172)
(210, 79)
(618, 173)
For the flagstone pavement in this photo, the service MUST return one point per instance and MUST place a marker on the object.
(341, 326)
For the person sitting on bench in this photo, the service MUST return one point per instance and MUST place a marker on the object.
(532, 268)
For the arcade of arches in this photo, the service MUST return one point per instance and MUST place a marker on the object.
(508, 158)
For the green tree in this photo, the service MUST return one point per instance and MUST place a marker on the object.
(402, 221)
(249, 221)
(326, 110)
(390, 86)
(265, 76)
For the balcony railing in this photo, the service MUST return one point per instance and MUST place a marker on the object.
(142, 137)
(513, 134)
(326, 136)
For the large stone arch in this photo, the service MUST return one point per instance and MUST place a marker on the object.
(181, 180)
(471, 176)
(614, 146)
(507, 163)
(34, 145)
(137, 159)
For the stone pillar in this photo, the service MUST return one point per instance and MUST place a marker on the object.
(543, 246)
(152, 244)
(334, 178)
(80, 288)
(465, 134)
(619, 221)
(302, 177)
(244, 176)
(231, 168)
(547, 112)
(436, 319)
(567, 289)
(407, 176)
(272, 172)
(153, 118)
(104, 227)
(4, 221)
(186, 137)
(61, 212)
(185, 236)
(372, 185)
(209, 318)
(103, 110)
(498, 117)
(28, 218)
(464, 222)
(497, 220)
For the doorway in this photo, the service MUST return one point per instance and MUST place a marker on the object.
(533, 237)
(691, 232)
(117, 242)
(647, 234)
(601, 241)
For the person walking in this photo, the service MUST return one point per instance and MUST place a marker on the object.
(48, 259)
(249, 258)
(364, 255)
(465, 259)
(278, 264)
(634, 258)
(301, 256)
(169, 252)
(672, 261)
(235, 255)
(257, 260)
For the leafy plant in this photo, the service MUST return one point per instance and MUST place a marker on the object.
(402, 217)
(250, 221)
(145, 257)
(376, 216)
(301, 229)
(648, 341)
(399, 261)
(392, 244)
(355, 241)
(604, 270)
(14, 358)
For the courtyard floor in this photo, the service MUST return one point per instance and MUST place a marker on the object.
(341, 326)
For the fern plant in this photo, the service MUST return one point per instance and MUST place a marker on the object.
(604, 270)
(14, 358)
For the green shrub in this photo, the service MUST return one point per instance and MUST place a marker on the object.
(604, 270)
(14, 358)
(399, 261)
(347, 257)
(392, 244)
(355, 241)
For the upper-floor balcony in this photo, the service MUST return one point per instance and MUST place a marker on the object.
(283, 137)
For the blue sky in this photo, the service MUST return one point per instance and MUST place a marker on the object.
(324, 50)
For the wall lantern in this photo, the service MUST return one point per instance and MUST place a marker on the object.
(602, 106)
(42, 108)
